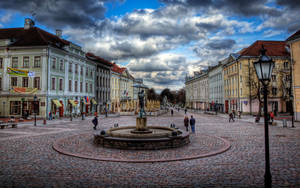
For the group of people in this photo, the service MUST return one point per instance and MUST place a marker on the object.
(190, 121)
(232, 115)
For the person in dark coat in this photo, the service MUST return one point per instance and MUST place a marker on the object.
(192, 123)
(186, 123)
(172, 112)
(185, 110)
(231, 117)
(95, 122)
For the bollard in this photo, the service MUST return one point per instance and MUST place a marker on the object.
(45, 121)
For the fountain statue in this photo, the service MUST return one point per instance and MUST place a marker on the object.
(141, 136)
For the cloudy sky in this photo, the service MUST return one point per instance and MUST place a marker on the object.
(159, 40)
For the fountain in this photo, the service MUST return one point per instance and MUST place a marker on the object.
(141, 136)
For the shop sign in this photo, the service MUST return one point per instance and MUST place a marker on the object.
(19, 72)
(24, 90)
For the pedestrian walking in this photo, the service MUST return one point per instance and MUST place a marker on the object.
(272, 116)
(239, 114)
(95, 122)
(185, 110)
(233, 112)
(231, 117)
(50, 115)
(172, 112)
(192, 123)
(186, 123)
(105, 109)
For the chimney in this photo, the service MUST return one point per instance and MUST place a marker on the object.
(58, 32)
(29, 23)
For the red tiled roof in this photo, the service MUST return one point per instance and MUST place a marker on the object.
(274, 48)
(118, 69)
(294, 36)
(98, 59)
(31, 37)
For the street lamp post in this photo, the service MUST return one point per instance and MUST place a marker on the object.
(291, 95)
(34, 108)
(264, 67)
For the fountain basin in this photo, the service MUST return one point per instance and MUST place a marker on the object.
(154, 138)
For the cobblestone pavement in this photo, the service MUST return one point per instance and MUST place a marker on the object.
(28, 159)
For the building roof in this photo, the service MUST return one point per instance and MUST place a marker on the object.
(274, 48)
(117, 69)
(98, 59)
(294, 36)
(31, 37)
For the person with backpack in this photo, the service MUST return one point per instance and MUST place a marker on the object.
(95, 122)
(186, 123)
(192, 123)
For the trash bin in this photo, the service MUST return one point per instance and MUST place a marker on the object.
(284, 123)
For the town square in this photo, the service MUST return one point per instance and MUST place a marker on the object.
(158, 93)
(29, 160)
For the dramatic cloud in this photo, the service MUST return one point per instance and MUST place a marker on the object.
(221, 44)
(58, 14)
(163, 45)
(243, 7)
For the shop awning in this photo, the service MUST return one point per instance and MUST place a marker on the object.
(57, 103)
(94, 101)
(72, 102)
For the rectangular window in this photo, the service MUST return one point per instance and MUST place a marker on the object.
(53, 84)
(0, 83)
(53, 63)
(70, 67)
(80, 86)
(25, 82)
(1, 63)
(76, 69)
(61, 65)
(14, 81)
(15, 107)
(91, 88)
(70, 85)
(241, 79)
(274, 91)
(26, 62)
(86, 87)
(14, 62)
(60, 84)
(81, 70)
(87, 71)
(91, 73)
(240, 66)
(76, 85)
(241, 92)
(36, 82)
(37, 61)
(286, 65)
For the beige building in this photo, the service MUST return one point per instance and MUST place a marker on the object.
(197, 91)
(241, 87)
(294, 45)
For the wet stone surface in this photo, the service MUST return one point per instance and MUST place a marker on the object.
(28, 159)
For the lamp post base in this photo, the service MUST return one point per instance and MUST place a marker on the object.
(268, 180)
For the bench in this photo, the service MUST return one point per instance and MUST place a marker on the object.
(210, 113)
(12, 124)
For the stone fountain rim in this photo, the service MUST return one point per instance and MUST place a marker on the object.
(110, 133)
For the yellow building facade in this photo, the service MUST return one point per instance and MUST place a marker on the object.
(241, 86)
(294, 44)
